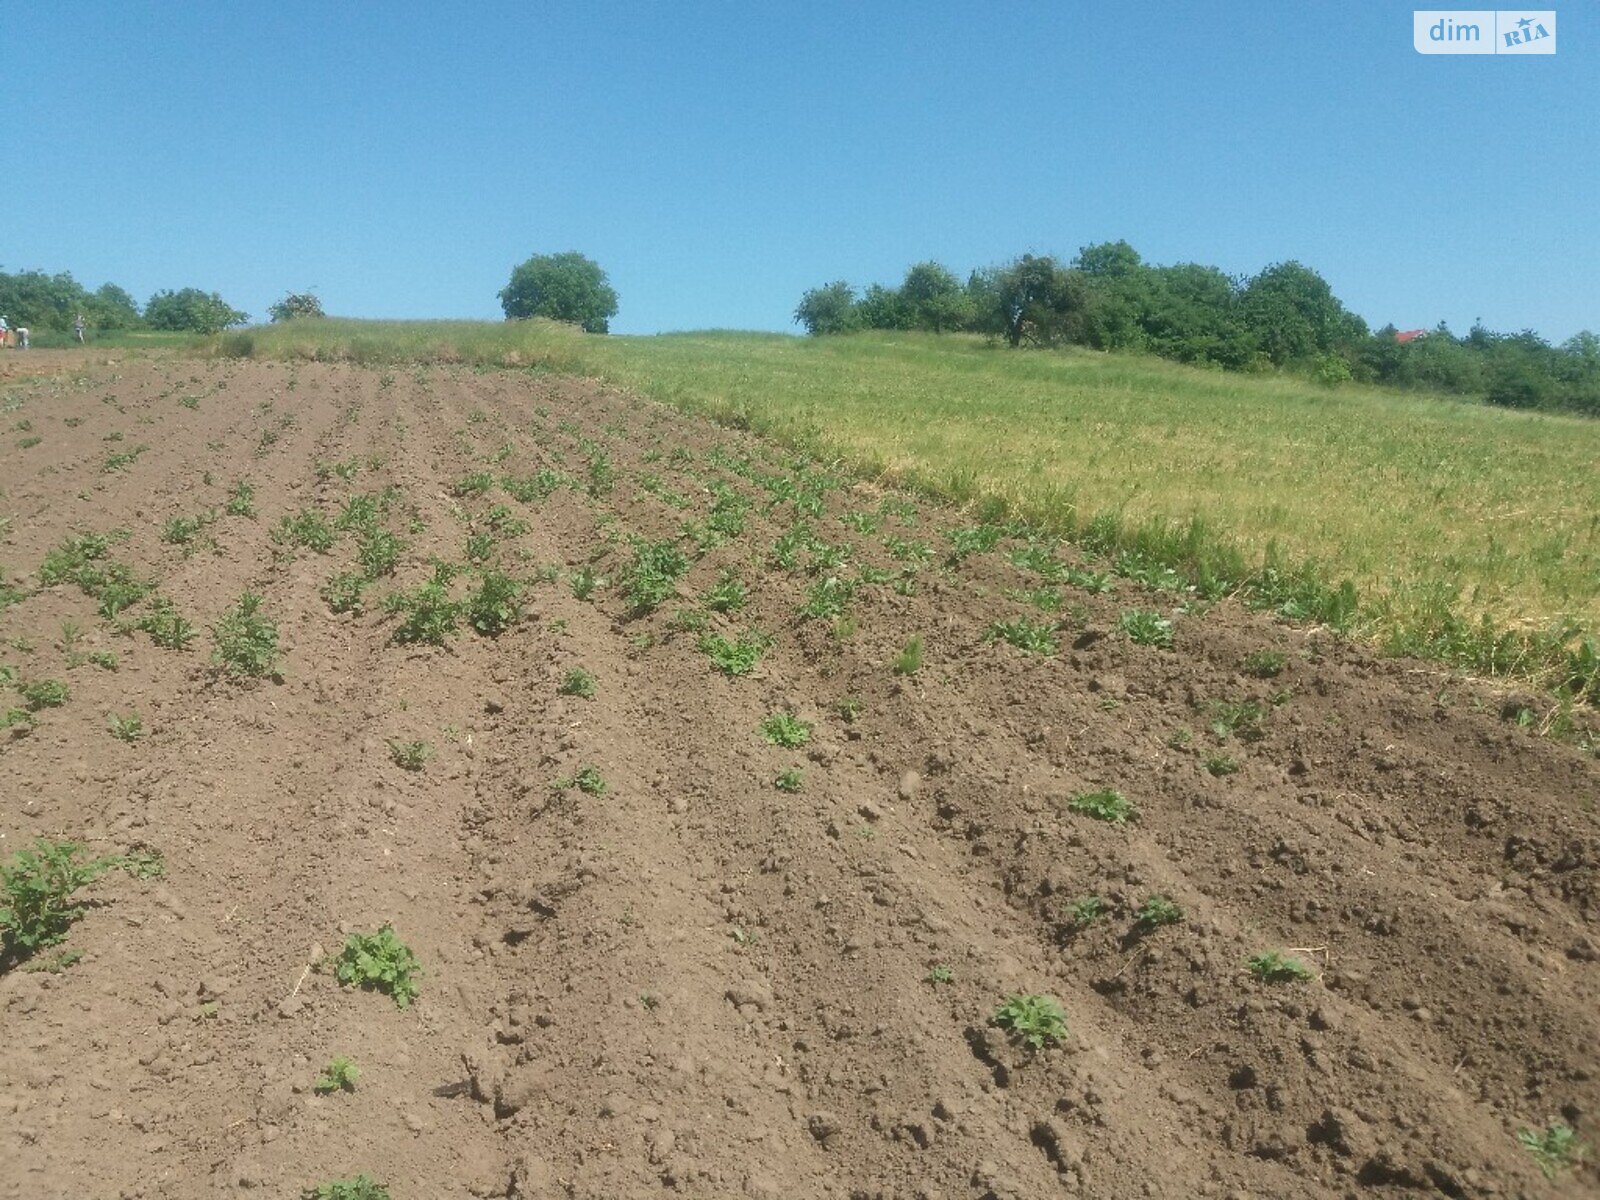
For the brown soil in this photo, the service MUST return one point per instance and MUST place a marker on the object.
(698, 984)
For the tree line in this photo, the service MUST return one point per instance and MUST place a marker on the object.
(1284, 318)
(44, 302)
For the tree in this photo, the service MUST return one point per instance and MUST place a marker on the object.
(192, 310)
(562, 287)
(112, 308)
(295, 306)
(933, 298)
(1295, 316)
(829, 309)
(1032, 299)
(882, 308)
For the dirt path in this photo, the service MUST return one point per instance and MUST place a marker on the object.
(693, 982)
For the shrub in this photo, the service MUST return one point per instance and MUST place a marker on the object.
(561, 287)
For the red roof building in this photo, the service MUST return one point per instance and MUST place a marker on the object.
(1409, 335)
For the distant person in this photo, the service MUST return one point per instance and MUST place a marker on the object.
(5, 333)
(22, 337)
(77, 328)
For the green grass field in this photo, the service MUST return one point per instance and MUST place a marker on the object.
(1441, 511)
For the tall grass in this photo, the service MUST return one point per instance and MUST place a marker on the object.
(1464, 532)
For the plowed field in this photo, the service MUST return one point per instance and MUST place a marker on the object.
(647, 969)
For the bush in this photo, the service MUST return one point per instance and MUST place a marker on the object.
(829, 309)
(295, 306)
(192, 310)
(562, 287)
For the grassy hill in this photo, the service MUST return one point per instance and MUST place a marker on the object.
(1442, 512)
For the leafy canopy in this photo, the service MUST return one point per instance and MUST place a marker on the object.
(562, 287)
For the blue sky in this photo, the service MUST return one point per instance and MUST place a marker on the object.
(718, 159)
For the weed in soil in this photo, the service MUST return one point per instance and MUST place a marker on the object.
(587, 779)
(39, 694)
(738, 656)
(36, 893)
(495, 605)
(342, 593)
(786, 730)
(1031, 637)
(167, 627)
(1555, 1148)
(428, 614)
(339, 1075)
(127, 729)
(246, 642)
(727, 594)
(940, 973)
(577, 682)
(1156, 912)
(379, 962)
(791, 780)
(1104, 805)
(307, 528)
(360, 1187)
(1272, 966)
(1265, 664)
(242, 500)
(1087, 911)
(1032, 1019)
(652, 576)
(409, 756)
(909, 661)
(1146, 628)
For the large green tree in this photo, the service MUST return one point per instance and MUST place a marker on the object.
(829, 309)
(563, 287)
(191, 310)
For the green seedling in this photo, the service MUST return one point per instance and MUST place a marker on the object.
(242, 500)
(183, 531)
(339, 1075)
(358, 1188)
(165, 625)
(307, 528)
(587, 779)
(1156, 912)
(495, 605)
(727, 594)
(1555, 1148)
(1146, 628)
(1265, 664)
(475, 484)
(786, 730)
(584, 582)
(246, 641)
(1272, 966)
(535, 487)
(577, 682)
(975, 540)
(652, 576)
(1220, 764)
(791, 780)
(1242, 720)
(1104, 805)
(342, 593)
(379, 962)
(43, 693)
(735, 657)
(409, 756)
(827, 598)
(940, 974)
(909, 661)
(127, 729)
(429, 615)
(379, 553)
(1032, 637)
(37, 887)
(1087, 911)
(849, 708)
(480, 546)
(1032, 1019)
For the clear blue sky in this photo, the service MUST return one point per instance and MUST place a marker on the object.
(717, 159)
